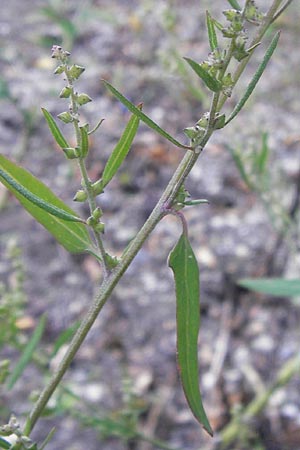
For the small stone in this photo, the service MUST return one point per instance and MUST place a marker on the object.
(206, 257)
(263, 344)
(143, 382)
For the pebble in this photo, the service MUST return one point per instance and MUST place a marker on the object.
(264, 344)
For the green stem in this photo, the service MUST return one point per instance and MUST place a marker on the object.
(257, 38)
(112, 280)
(107, 287)
(281, 10)
(86, 181)
(92, 205)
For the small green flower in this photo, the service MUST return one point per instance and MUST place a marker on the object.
(252, 14)
(57, 52)
(66, 92)
(75, 71)
(65, 117)
(82, 99)
(80, 196)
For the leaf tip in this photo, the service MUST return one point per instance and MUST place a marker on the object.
(208, 429)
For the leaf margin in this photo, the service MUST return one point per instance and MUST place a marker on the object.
(143, 117)
(188, 309)
(73, 236)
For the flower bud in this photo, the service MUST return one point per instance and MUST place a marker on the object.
(112, 261)
(232, 15)
(97, 213)
(97, 187)
(91, 222)
(75, 71)
(227, 85)
(252, 14)
(66, 92)
(65, 117)
(100, 227)
(82, 99)
(60, 54)
(56, 51)
(203, 121)
(219, 121)
(190, 132)
(80, 196)
(59, 69)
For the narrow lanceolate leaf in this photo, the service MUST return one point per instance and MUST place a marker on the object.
(212, 36)
(235, 4)
(121, 150)
(48, 438)
(212, 83)
(4, 444)
(27, 353)
(263, 155)
(236, 155)
(255, 78)
(56, 133)
(135, 110)
(72, 235)
(13, 184)
(186, 273)
(84, 142)
(273, 286)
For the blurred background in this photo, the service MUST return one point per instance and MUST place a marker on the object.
(122, 391)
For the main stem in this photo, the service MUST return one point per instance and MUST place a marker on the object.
(109, 283)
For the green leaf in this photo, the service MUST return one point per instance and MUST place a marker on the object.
(186, 273)
(27, 353)
(56, 133)
(120, 151)
(273, 286)
(235, 5)
(4, 444)
(199, 201)
(84, 142)
(255, 78)
(135, 110)
(72, 235)
(263, 155)
(13, 185)
(47, 439)
(212, 83)
(212, 36)
(236, 155)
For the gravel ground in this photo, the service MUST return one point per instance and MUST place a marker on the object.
(245, 338)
